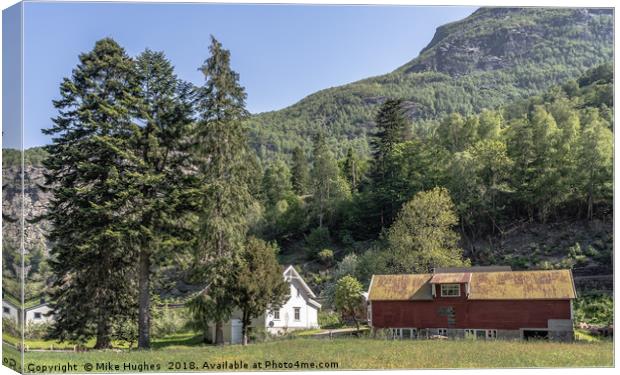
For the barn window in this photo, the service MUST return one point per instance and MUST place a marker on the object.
(450, 290)
(297, 313)
(491, 334)
(470, 333)
(37, 315)
(276, 314)
(442, 332)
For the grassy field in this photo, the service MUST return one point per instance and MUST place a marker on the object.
(346, 353)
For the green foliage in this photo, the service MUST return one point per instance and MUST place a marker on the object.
(348, 297)
(423, 237)
(222, 159)
(300, 172)
(92, 174)
(169, 320)
(594, 309)
(254, 298)
(276, 183)
(318, 238)
(329, 320)
(326, 256)
(328, 188)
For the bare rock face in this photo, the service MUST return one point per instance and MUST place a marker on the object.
(33, 206)
(500, 38)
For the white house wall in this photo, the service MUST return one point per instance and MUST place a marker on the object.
(308, 315)
(9, 311)
(43, 310)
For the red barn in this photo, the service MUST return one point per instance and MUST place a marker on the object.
(474, 302)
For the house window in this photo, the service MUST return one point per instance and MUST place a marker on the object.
(450, 290)
(442, 332)
(297, 313)
(491, 334)
(37, 315)
(276, 314)
(6, 310)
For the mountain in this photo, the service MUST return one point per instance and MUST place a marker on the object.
(494, 56)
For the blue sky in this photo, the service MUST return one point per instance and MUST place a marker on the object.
(282, 52)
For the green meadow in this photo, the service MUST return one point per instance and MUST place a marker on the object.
(345, 353)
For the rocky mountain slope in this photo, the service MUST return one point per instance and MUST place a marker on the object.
(491, 57)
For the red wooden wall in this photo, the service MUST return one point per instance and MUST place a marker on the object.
(477, 314)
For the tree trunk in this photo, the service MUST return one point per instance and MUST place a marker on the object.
(103, 336)
(219, 333)
(144, 300)
(244, 328)
(590, 213)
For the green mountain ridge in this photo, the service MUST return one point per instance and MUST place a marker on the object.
(494, 56)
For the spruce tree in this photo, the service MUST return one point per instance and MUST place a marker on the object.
(162, 145)
(221, 158)
(300, 172)
(392, 128)
(90, 171)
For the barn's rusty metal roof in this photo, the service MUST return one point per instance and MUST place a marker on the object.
(471, 269)
(400, 287)
(508, 285)
(451, 278)
(553, 284)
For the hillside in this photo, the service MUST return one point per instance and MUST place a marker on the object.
(491, 57)
(496, 57)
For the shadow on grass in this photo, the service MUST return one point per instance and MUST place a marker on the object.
(179, 340)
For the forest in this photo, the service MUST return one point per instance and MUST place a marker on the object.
(154, 180)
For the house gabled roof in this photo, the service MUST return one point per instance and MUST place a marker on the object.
(301, 280)
(505, 285)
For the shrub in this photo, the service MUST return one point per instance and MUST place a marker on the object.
(318, 238)
(167, 321)
(326, 256)
(594, 309)
(329, 319)
(9, 326)
(36, 330)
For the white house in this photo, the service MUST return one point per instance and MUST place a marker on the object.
(33, 314)
(299, 312)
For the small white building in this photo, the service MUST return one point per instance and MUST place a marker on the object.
(33, 314)
(39, 314)
(9, 310)
(299, 312)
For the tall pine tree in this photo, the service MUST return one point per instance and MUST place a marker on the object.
(90, 171)
(392, 128)
(300, 172)
(166, 115)
(221, 156)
